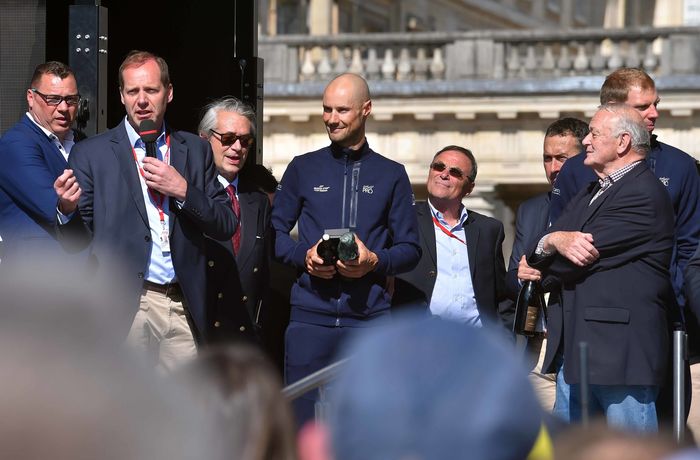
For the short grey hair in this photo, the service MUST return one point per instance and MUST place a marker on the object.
(629, 121)
(225, 104)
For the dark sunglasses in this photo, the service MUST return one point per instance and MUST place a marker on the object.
(55, 99)
(454, 172)
(228, 139)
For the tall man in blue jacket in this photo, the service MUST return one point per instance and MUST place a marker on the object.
(33, 153)
(344, 185)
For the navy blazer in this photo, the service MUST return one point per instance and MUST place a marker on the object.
(484, 236)
(619, 303)
(238, 286)
(112, 213)
(30, 165)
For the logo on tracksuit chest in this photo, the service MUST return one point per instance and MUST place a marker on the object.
(322, 188)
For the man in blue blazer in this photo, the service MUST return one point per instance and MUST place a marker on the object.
(611, 252)
(460, 275)
(33, 153)
(149, 214)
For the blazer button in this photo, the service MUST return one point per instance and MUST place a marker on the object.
(147, 238)
(210, 263)
(244, 298)
(220, 295)
(217, 324)
(255, 269)
(140, 275)
(432, 273)
(242, 328)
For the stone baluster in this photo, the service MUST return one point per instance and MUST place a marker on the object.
(403, 70)
(324, 65)
(581, 60)
(420, 68)
(564, 62)
(356, 63)
(633, 59)
(615, 60)
(499, 71)
(437, 65)
(513, 62)
(548, 65)
(340, 64)
(388, 65)
(529, 68)
(597, 60)
(650, 60)
(373, 68)
(308, 70)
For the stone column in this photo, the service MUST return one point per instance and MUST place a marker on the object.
(615, 14)
(566, 14)
(320, 17)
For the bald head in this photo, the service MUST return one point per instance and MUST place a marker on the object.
(351, 83)
(346, 107)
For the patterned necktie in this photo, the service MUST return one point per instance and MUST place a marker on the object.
(236, 239)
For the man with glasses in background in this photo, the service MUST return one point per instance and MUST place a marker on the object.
(34, 152)
(461, 273)
(239, 268)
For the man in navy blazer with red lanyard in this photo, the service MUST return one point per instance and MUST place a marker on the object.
(611, 252)
(33, 153)
(149, 214)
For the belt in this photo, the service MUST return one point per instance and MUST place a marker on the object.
(170, 288)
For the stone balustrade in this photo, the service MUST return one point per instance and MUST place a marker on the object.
(488, 55)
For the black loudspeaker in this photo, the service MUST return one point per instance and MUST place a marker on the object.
(22, 48)
(87, 55)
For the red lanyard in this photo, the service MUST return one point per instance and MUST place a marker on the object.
(157, 198)
(447, 232)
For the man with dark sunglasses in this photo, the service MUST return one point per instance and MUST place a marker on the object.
(34, 152)
(240, 273)
(461, 273)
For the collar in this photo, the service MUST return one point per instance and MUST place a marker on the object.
(341, 152)
(225, 183)
(463, 215)
(135, 140)
(68, 138)
(615, 176)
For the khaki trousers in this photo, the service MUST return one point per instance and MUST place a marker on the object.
(545, 385)
(161, 331)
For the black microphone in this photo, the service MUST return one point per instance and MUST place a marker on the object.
(149, 134)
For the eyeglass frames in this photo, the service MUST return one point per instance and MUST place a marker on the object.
(54, 99)
(228, 139)
(453, 171)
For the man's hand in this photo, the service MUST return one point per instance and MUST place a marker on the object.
(68, 191)
(575, 246)
(526, 272)
(314, 264)
(357, 268)
(164, 178)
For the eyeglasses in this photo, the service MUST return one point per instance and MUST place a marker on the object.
(55, 99)
(228, 139)
(453, 171)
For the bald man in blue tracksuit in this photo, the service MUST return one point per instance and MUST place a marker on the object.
(344, 185)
